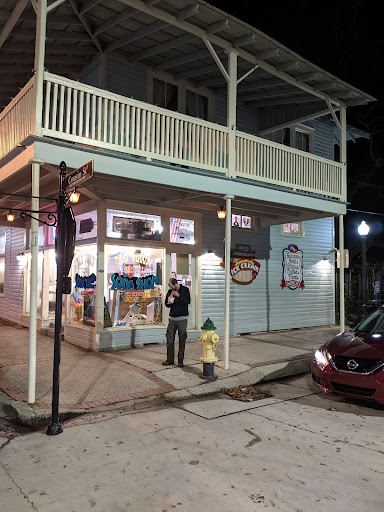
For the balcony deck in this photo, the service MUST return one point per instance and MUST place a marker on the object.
(82, 114)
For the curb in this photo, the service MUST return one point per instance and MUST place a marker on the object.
(255, 375)
(26, 416)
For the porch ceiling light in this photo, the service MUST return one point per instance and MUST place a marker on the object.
(221, 213)
(10, 216)
(74, 197)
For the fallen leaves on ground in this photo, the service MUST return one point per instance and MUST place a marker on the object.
(246, 393)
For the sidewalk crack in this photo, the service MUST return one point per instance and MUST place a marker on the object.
(14, 481)
(329, 438)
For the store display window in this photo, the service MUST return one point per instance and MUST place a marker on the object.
(83, 298)
(133, 286)
(133, 226)
(182, 231)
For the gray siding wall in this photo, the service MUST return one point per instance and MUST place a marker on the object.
(121, 77)
(323, 139)
(11, 305)
(247, 116)
(91, 74)
(263, 305)
(126, 78)
(315, 304)
(323, 136)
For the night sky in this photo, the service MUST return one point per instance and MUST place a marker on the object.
(345, 38)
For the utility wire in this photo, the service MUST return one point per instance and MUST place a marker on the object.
(363, 211)
(365, 184)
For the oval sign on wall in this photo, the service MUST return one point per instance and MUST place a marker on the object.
(244, 270)
(292, 268)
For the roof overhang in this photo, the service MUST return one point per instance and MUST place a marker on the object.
(120, 178)
(171, 37)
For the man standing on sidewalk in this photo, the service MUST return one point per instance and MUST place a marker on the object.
(177, 299)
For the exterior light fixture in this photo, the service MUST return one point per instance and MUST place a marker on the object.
(10, 216)
(363, 229)
(20, 257)
(74, 197)
(221, 213)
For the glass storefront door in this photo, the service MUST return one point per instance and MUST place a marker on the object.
(184, 266)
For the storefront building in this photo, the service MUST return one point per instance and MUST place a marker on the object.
(213, 115)
(138, 251)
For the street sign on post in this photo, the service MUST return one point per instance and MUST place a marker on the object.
(78, 176)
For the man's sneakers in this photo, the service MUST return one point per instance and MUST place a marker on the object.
(180, 364)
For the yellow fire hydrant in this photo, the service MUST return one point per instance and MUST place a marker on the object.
(209, 340)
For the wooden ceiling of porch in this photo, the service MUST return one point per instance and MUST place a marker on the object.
(167, 35)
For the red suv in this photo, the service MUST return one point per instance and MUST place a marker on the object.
(352, 363)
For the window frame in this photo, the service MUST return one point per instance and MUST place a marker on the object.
(182, 87)
(301, 128)
(278, 136)
(300, 234)
(197, 95)
(166, 82)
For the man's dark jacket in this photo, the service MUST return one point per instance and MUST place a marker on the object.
(180, 305)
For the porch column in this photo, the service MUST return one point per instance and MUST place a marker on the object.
(231, 112)
(33, 282)
(99, 317)
(228, 228)
(343, 160)
(41, 28)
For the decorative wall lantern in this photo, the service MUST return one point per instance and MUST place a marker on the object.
(221, 213)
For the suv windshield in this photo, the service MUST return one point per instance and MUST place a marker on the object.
(373, 324)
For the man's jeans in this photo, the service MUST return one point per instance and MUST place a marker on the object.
(173, 327)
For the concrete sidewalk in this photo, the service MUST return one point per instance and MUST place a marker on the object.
(125, 378)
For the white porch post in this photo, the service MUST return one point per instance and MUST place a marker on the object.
(33, 282)
(343, 160)
(231, 112)
(41, 28)
(101, 228)
(228, 228)
(41, 21)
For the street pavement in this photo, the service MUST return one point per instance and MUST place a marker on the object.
(297, 451)
(132, 377)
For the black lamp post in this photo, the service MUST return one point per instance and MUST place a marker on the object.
(65, 245)
(363, 230)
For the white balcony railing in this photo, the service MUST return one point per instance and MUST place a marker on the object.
(17, 120)
(82, 114)
(270, 162)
